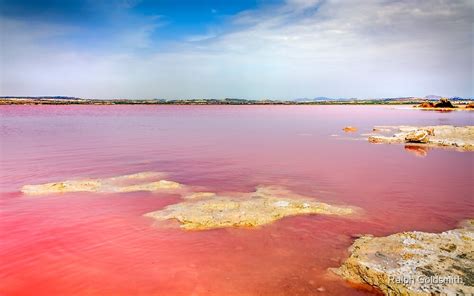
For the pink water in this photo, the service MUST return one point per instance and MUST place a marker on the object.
(100, 244)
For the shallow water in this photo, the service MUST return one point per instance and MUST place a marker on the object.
(100, 244)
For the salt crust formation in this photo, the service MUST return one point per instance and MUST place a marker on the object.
(265, 205)
(414, 263)
(458, 137)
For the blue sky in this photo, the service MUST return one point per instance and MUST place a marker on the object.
(248, 49)
(173, 20)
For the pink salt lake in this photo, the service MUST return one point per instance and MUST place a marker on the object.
(100, 244)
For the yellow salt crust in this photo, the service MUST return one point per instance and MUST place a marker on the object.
(143, 181)
(264, 206)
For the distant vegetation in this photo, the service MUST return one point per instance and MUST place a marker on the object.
(61, 100)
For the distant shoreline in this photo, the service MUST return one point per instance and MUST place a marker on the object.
(80, 101)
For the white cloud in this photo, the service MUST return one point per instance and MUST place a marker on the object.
(304, 48)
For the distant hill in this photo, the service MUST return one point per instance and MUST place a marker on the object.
(433, 97)
(437, 98)
(317, 99)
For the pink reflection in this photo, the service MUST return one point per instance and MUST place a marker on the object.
(417, 150)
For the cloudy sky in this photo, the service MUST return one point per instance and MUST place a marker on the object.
(236, 48)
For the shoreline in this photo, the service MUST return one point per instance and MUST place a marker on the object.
(414, 102)
(410, 106)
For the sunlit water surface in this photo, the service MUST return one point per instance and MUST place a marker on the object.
(100, 244)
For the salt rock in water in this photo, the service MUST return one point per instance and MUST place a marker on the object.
(415, 263)
(418, 136)
(265, 205)
(349, 129)
(458, 137)
(382, 129)
(90, 185)
(144, 181)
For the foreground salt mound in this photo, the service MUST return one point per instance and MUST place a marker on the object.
(459, 137)
(144, 181)
(265, 205)
(415, 263)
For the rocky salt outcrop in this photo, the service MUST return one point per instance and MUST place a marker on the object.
(459, 137)
(414, 263)
(442, 103)
(426, 105)
(144, 181)
(265, 205)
